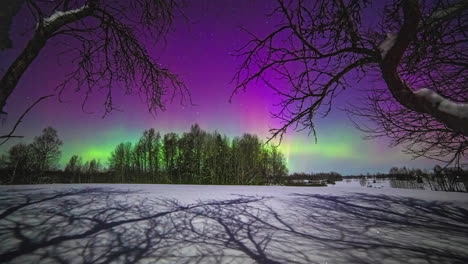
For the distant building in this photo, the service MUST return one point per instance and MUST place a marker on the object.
(309, 182)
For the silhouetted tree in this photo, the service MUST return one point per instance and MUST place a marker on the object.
(197, 157)
(74, 167)
(148, 154)
(102, 38)
(278, 166)
(447, 179)
(419, 52)
(3, 161)
(120, 161)
(46, 149)
(19, 161)
(94, 166)
(170, 154)
(197, 139)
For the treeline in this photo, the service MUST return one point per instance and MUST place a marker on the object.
(26, 163)
(37, 162)
(439, 179)
(197, 157)
(194, 157)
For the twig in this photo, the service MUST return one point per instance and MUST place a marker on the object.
(10, 135)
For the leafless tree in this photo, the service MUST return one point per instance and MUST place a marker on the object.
(103, 39)
(46, 149)
(417, 54)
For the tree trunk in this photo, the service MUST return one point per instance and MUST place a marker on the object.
(33, 48)
(19, 66)
(400, 91)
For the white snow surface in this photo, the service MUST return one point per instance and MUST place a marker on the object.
(459, 110)
(132, 223)
(57, 14)
(387, 44)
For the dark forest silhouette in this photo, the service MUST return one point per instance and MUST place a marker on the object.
(195, 157)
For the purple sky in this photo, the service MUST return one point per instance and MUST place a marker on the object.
(199, 49)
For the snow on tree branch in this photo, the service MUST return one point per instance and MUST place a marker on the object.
(449, 11)
(387, 44)
(58, 14)
(460, 110)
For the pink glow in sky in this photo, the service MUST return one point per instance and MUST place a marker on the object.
(199, 49)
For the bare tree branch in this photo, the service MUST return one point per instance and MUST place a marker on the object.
(322, 47)
(10, 135)
(103, 42)
(400, 91)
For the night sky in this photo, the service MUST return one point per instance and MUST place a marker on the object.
(200, 49)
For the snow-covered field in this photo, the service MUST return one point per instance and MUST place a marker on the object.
(230, 224)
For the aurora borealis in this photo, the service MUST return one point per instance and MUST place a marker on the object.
(200, 49)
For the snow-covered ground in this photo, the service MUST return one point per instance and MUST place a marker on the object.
(230, 224)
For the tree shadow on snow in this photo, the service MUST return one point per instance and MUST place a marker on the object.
(105, 225)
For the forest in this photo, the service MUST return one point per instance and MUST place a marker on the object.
(194, 157)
